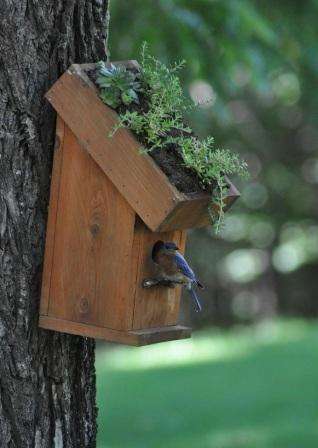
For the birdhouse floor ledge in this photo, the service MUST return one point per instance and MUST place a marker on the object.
(130, 337)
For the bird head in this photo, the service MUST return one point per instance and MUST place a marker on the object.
(161, 245)
(171, 246)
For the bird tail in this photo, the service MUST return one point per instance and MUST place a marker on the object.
(199, 285)
(197, 304)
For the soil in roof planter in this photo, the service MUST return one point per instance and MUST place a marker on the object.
(150, 102)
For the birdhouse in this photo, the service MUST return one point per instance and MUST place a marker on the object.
(109, 204)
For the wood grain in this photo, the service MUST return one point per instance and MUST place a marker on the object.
(52, 214)
(94, 234)
(157, 306)
(136, 338)
(194, 210)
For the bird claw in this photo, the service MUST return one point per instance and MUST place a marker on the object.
(168, 283)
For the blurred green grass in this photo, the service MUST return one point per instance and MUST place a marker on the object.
(251, 387)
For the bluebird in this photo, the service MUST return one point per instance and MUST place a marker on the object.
(174, 268)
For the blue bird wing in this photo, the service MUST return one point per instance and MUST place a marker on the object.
(184, 267)
(187, 271)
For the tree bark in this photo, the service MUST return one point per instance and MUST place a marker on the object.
(47, 380)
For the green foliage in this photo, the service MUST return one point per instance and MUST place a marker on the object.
(117, 85)
(164, 87)
(166, 103)
(161, 123)
(212, 165)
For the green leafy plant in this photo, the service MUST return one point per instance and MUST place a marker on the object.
(117, 85)
(212, 165)
(165, 100)
(161, 123)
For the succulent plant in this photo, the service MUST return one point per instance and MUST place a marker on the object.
(118, 85)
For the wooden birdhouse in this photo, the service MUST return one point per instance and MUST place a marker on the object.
(109, 204)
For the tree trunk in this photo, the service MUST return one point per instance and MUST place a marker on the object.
(47, 380)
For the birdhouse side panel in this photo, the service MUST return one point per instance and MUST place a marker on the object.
(52, 213)
(92, 246)
(156, 306)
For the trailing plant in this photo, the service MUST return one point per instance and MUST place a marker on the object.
(212, 165)
(160, 123)
(117, 85)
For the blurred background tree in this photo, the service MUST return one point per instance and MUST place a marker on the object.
(255, 62)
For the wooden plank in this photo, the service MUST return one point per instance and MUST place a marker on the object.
(90, 331)
(162, 334)
(136, 338)
(94, 235)
(137, 177)
(189, 213)
(52, 214)
(157, 306)
(194, 211)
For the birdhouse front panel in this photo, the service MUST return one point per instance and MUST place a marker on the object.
(98, 253)
(94, 232)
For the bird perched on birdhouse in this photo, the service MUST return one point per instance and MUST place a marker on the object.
(173, 269)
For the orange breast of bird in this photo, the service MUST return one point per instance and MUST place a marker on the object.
(167, 264)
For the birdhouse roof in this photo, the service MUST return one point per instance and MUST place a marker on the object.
(137, 177)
